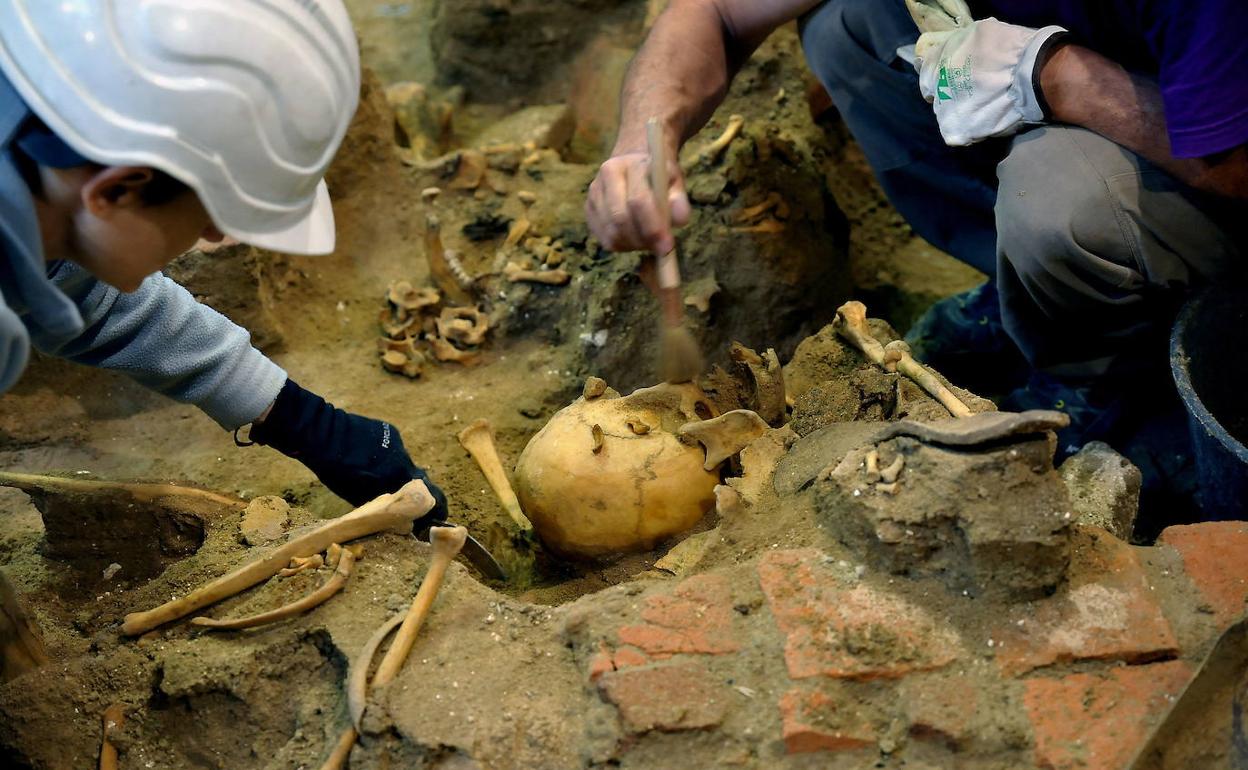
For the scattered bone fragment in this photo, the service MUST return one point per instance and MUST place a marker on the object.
(395, 512)
(768, 226)
(410, 299)
(517, 274)
(897, 359)
(685, 555)
(774, 202)
(478, 439)
(715, 149)
(766, 377)
(446, 352)
(342, 571)
(596, 387)
(889, 475)
(21, 646)
(873, 466)
(851, 323)
(113, 719)
(599, 440)
(302, 564)
(111, 571)
(470, 170)
(638, 427)
(447, 543)
(521, 226)
(724, 436)
(463, 325)
(888, 489)
(357, 674)
(264, 520)
(699, 293)
(430, 194)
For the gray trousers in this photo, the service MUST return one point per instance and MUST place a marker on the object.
(1093, 248)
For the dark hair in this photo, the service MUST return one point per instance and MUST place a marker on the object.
(161, 189)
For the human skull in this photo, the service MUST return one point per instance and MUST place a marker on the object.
(609, 474)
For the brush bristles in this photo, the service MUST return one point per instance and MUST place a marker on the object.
(681, 358)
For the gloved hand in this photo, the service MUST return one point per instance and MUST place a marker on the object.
(980, 76)
(357, 458)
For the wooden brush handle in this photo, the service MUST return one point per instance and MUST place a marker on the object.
(668, 268)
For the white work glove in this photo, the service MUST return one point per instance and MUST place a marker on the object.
(979, 76)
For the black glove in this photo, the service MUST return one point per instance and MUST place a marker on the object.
(357, 458)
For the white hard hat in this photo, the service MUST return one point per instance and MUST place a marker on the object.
(246, 101)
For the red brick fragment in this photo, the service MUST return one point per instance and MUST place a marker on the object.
(1107, 612)
(1099, 721)
(940, 707)
(1215, 557)
(601, 663)
(814, 721)
(666, 696)
(857, 632)
(696, 618)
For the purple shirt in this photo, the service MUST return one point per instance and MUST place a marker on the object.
(1196, 49)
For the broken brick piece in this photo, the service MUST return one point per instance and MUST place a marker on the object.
(940, 707)
(666, 696)
(1107, 612)
(855, 632)
(813, 720)
(1099, 721)
(1213, 557)
(695, 618)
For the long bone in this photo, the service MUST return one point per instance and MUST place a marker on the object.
(394, 511)
(318, 597)
(897, 359)
(851, 323)
(446, 542)
(478, 439)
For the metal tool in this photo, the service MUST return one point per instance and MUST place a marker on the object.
(1226, 665)
(476, 553)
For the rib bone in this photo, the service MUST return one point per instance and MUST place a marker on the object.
(716, 148)
(478, 439)
(346, 560)
(394, 511)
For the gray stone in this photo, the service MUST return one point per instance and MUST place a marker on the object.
(994, 521)
(264, 520)
(1104, 488)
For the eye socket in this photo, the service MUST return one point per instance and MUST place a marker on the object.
(703, 410)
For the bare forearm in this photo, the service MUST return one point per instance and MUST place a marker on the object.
(1086, 89)
(679, 76)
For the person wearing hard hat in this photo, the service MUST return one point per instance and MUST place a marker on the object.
(129, 130)
(1090, 157)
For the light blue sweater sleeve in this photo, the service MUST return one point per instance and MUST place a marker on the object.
(163, 338)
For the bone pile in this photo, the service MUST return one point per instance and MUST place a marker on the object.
(418, 327)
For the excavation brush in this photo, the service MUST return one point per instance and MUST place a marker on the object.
(680, 359)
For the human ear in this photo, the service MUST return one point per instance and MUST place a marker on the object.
(114, 188)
